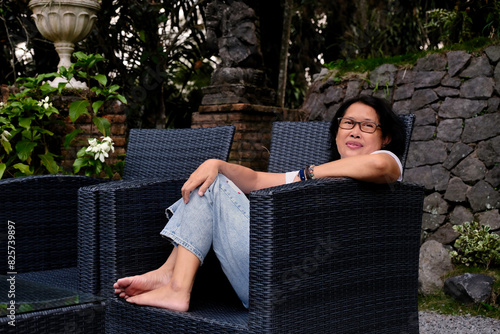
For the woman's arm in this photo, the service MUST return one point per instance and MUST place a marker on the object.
(376, 168)
(245, 178)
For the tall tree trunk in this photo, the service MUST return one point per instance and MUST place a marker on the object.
(285, 42)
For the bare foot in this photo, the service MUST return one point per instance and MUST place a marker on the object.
(136, 285)
(168, 296)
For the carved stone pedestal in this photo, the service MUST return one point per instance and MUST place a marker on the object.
(238, 93)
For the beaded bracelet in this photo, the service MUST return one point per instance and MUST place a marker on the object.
(311, 172)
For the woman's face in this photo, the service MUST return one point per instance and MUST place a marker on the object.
(356, 142)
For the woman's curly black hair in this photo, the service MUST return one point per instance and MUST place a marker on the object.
(389, 122)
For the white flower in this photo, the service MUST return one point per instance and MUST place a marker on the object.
(92, 145)
(100, 149)
(101, 156)
(5, 134)
(45, 103)
(2, 105)
(107, 144)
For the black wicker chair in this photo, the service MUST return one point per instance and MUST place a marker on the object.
(157, 164)
(326, 256)
(43, 212)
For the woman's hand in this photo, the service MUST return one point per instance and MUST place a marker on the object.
(202, 177)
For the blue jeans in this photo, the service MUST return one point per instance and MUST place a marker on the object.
(220, 218)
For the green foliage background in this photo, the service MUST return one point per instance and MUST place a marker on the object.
(156, 49)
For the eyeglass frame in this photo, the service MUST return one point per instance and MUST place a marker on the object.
(359, 123)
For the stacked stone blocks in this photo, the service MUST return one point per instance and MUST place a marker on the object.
(455, 148)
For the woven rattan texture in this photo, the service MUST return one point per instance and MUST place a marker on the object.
(131, 219)
(173, 153)
(351, 264)
(88, 242)
(44, 210)
(85, 318)
(296, 144)
(203, 317)
(66, 278)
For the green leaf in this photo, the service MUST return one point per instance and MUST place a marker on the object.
(121, 98)
(24, 149)
(101, 78)
(82, 74)
(31, 134)
(77, 109)
(61, 86)
(25, 169)
(3, 167)
(81, 152)
(51, 110)
(103, 125)
(97, 105)
(98, 166)
(142, 36)
(113, 88)
(109, 171)
(46, 89)
(70, 137)
(98, 91)
(49, 162)
(25, 122)
(80, 55)
(79, 163)
(7, 147)
(63, 71)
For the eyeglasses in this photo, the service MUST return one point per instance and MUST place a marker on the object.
(365, 126)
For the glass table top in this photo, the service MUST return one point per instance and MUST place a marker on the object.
(28, 296)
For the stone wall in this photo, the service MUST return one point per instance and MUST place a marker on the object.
(455, 148)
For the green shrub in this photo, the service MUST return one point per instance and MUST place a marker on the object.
(476, 245)
(27, 123)
(25, 127)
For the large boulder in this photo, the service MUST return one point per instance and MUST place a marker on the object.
(434, 263)
(470, 288)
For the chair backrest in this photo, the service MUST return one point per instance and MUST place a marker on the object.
(174, 153)
(296, 144)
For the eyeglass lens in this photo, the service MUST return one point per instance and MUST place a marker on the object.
(346, 123)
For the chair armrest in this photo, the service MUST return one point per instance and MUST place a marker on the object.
(43, 210)
(335, 253)
(119, 230)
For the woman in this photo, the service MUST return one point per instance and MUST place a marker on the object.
(366, 138)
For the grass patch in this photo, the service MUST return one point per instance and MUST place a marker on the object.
(444, 304)
(474, 45)
(366, 65)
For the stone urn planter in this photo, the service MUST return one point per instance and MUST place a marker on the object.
(65, 22)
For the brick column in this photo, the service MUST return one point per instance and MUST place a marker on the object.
(253, 124)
